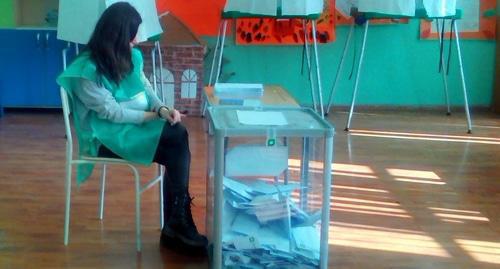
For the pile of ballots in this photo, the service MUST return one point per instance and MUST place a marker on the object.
(263, 228)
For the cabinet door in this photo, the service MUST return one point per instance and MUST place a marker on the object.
(21, 68)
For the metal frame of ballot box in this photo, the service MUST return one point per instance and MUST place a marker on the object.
(302, 123)
(421, 14)
(317, 94)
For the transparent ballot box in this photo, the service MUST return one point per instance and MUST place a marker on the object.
(268, 187)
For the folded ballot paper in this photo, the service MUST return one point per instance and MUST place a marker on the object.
(263, 228)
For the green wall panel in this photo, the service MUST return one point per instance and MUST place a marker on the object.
(399, 68)
(7, 18)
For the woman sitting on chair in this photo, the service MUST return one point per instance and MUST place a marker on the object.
(117, 115)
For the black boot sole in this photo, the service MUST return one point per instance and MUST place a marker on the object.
(178, 246)
(167, 231)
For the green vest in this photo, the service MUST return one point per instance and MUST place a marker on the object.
(133, 142)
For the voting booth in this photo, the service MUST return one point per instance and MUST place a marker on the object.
(268, 187)
(442, 12)
(305, 10)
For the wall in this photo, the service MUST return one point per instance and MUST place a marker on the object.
(7, 18)
(496, 100)
(399, 68)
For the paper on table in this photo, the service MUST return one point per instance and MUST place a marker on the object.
(301, 7)
(390, 7)
(261, 117)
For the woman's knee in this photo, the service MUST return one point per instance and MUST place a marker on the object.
(181, 131)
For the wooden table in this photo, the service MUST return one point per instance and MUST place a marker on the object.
(273, 95)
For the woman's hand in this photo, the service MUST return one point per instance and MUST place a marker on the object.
(173, 116)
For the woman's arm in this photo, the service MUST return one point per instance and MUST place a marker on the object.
(101, 101)
(155, 102)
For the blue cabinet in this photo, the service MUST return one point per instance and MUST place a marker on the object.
(30, 61)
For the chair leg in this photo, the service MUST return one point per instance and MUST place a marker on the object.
(68, 202)
(103, 188)
(137, 210)
(160, 194)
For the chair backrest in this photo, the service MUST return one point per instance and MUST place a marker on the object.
(66, 111)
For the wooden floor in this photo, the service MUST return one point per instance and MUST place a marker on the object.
(410, 191)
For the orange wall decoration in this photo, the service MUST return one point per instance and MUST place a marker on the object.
(202, 16)
(268, 31)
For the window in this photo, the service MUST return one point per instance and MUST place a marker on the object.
(189, 83)
(167, 96)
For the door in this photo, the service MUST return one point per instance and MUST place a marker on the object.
(21, 68)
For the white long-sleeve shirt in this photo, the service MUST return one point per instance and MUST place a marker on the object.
(92, 97)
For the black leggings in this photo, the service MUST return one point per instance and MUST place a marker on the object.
(172, 152)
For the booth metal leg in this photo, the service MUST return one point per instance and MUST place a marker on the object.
(356, 85)
(444, 70)
(309, 67)
(339, 70)
(318, 75)
(215, 53)
(462, 76)
(219, 66)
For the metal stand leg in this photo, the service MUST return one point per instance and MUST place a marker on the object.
(287, 172)
(309, 67)
(215, 53)
(339, 70)
(219, 66)
(325, 210)
(153, 61)
(218, 201)
(462, 76)
(160, 58)
(320, 89)
(68, 196)
(103, 189)
(304, 172)
(356, 84)
(445, 82)
(160, 194)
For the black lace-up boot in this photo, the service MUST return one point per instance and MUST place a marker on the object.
(180, 227)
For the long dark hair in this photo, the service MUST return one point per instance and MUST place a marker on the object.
(109, 45)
